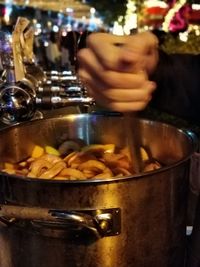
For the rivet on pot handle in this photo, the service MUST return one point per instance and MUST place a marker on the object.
(102, 222)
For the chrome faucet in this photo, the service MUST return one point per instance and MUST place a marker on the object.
(25, 87)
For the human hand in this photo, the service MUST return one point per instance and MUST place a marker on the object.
(115, 69)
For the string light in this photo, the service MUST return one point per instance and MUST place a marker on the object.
(130, 17)
(129, 20)
(171, 13)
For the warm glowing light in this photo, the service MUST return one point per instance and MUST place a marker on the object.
(196, 6)
(131, 23)
(6, 18)
(155, 3)
(64, 33)
(8, 10)
(117, 29)
(183, 36)
(194, 28)
(49, 24)
(92, 10)
(34, 21)
(171, 14)
(130, 18)
(69, 10)
(46, 44)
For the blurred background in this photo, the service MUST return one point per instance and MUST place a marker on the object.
(61, 26)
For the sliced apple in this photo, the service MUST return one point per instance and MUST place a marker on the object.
(144, 154)
(51, 150)
(107, 148)
(9, 166)
(37, 152)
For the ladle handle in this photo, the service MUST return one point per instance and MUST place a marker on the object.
(133, 134)
(132, 127)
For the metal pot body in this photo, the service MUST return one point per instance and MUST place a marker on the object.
(193, 257)
(148, 211)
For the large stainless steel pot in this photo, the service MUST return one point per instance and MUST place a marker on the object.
(137, 221)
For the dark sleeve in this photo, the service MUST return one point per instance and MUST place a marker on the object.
(178, 86)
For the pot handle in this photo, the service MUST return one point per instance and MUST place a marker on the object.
(102, 222)
(194, 176)
(194, 139)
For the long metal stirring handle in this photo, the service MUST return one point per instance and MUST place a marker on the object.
(133, 132)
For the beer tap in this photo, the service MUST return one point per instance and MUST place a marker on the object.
(26, 90)
(17, 94)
